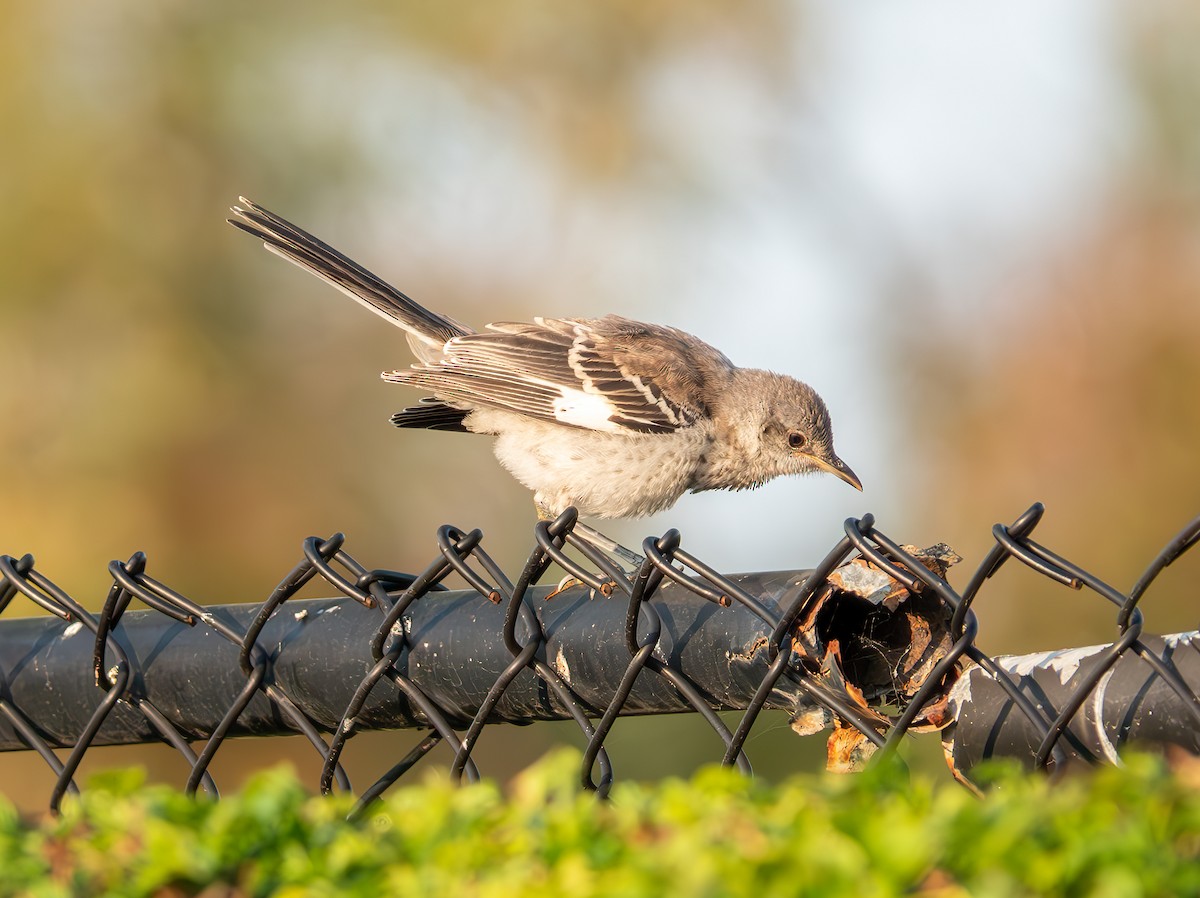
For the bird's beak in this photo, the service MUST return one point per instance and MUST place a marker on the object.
(838, 469)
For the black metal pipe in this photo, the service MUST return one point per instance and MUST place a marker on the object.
(1129, 702)
(320, 651)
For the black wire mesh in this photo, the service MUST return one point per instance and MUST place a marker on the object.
(874, 642)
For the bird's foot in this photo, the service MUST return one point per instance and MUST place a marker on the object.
(625, 560)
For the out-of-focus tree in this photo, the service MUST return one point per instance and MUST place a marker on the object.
(1082, 389)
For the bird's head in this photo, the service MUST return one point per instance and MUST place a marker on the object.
(797, 428)
(783, 425)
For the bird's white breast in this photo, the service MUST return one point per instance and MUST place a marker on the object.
(603, 474)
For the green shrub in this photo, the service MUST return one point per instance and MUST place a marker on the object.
(1115, 832)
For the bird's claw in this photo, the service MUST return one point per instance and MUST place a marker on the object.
(571, 582)
(567, 582)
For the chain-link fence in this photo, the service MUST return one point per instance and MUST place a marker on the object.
(873, 643)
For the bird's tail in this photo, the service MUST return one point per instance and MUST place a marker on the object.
(285, 239)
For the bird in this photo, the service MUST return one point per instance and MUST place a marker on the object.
(613, 417)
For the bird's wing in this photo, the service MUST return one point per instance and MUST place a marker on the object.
(608, 374)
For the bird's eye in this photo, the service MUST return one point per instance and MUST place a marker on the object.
(796, 440)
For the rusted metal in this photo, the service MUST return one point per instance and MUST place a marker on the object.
(877, 641)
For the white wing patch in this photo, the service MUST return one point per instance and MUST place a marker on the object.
(584, 410)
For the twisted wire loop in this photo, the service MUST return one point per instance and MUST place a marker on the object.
(1052, 688)
(873, 642)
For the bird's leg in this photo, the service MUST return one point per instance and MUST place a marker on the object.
(625, 559)
(609, 547)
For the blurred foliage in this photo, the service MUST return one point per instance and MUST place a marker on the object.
(1086, 400)
(1078, 388)
(1165, 70)
(1114, 832)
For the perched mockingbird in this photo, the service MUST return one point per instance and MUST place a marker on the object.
(615, 417)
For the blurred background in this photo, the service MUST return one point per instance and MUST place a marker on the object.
(974, 232)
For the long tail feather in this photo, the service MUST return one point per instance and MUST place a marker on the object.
(303, 249)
